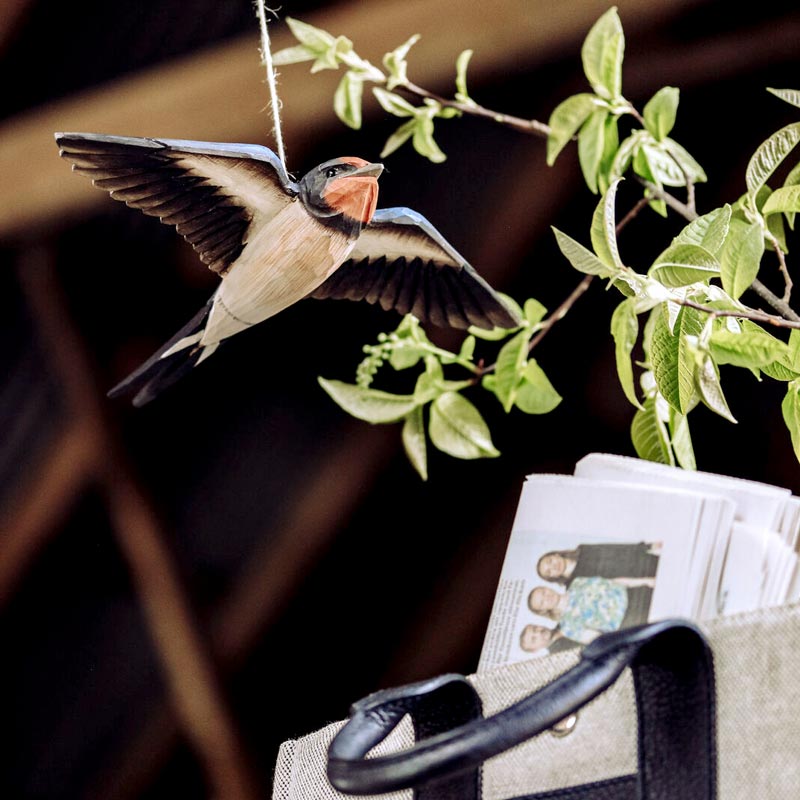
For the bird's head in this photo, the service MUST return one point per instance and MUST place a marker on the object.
(343, 190)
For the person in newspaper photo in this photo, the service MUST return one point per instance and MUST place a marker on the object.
(590, 607)
(604, 560)
(543, 640)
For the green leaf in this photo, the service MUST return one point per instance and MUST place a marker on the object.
(792, 179)
(508, 373)
(711, 389)
(492, 335)
(681, 439)
(399, 137)
(457, 428)
(777, 232)
(566, 119)
(625, 330)
(769, 155)
(708, 231)
(410, 328)
(423, 141)
(410, 343)
(583, 259)
(779, 372)
(624, 154)
(602, 54)
(414, 442)
(395, 63)
(394, 104)
(690, 166)
(534, 312)
(641, 164)
(791, 415)
(406, 355)
(347, 99)
(462, 62)
(293, 55)
(785, 199)
(660, 112)
(467, 350)
(613, 53)
(591, 147)
(429, 383)
(370, 405)
(787, 366)
(740, 259)
(791, 96)
(793, 347)
(649, 435)
(315, 39)
(536, 395)
(682, 264)
(610, 147)
(604, 229)
(673, 356)
(512, 305)
(495, 334)
(663, 168)
(748, 349)
(341, 48)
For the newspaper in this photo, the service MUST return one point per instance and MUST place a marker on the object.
(622, 542)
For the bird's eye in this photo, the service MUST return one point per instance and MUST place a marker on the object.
(331, 172)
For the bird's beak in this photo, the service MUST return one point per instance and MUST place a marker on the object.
(370, 170)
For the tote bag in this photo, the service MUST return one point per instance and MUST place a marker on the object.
(702, 713)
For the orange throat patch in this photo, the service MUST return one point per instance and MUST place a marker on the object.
(355, 197)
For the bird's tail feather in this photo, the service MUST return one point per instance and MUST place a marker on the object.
(167, 364)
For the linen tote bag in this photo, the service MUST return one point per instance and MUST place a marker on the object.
(702, 713)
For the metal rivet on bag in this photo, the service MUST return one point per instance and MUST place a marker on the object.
(565, 726)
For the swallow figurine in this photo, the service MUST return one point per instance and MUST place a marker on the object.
(275, 241)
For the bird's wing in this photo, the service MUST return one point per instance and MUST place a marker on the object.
(210, 191)
(402, 262)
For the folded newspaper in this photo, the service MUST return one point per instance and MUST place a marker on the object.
(623, 541)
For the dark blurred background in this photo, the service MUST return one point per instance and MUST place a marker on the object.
(186, 585)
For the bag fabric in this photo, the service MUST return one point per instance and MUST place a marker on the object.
(756, 660)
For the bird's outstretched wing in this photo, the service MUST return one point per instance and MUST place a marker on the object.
(210, 191)
(402, 262)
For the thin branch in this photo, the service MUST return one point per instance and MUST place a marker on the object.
(274, 100)
(564, 307)
(683, 209)
(530, 126)
(753, 316)
(562, 310)
(633, 213)
(767, 295)
(787, 280)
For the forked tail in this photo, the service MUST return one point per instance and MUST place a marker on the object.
(168, 364)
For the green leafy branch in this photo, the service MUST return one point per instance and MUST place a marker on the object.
(326, 51)
(682, 313)
(453, 423)
(691, 293)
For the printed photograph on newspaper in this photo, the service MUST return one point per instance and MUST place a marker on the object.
(590, 557)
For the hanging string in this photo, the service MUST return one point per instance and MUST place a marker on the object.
(266, 57)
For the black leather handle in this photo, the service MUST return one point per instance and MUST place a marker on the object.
(673, 679)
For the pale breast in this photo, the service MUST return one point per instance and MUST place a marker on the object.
(282, 262)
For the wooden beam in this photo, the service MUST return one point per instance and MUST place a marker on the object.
(43, 501)
(219, 93)
(14, 12)
(273, 576)
(189, 672)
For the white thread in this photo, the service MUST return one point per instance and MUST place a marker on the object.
(266, 58)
